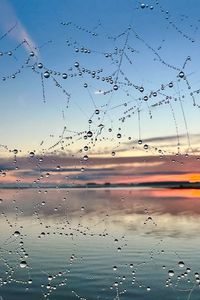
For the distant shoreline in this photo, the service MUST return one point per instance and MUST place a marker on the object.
(169, 185)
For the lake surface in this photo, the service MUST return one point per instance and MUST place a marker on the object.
(99, 244)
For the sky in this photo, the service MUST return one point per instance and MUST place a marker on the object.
(132, 81)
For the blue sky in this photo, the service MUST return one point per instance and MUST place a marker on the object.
(26, 121)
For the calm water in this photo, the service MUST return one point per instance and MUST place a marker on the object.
(99, 244)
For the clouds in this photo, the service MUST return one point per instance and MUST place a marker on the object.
(72, 170)
(10, 22)
(169, 144)
(99, 92)
(173, 139)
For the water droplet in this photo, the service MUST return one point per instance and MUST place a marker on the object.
(31, 154)
(141, 89)
(188, 270)
(23, 264)
(46, 74)
(181, 74)
(40, 65)
(16, 233)
(89, 133)
(64, 76)
(171, 273)
(181, 264)
(85, 157)
(15, 151)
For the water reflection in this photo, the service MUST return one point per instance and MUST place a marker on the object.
(161, 210)
(99, 244)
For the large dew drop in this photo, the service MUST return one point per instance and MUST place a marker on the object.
(23, 264)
